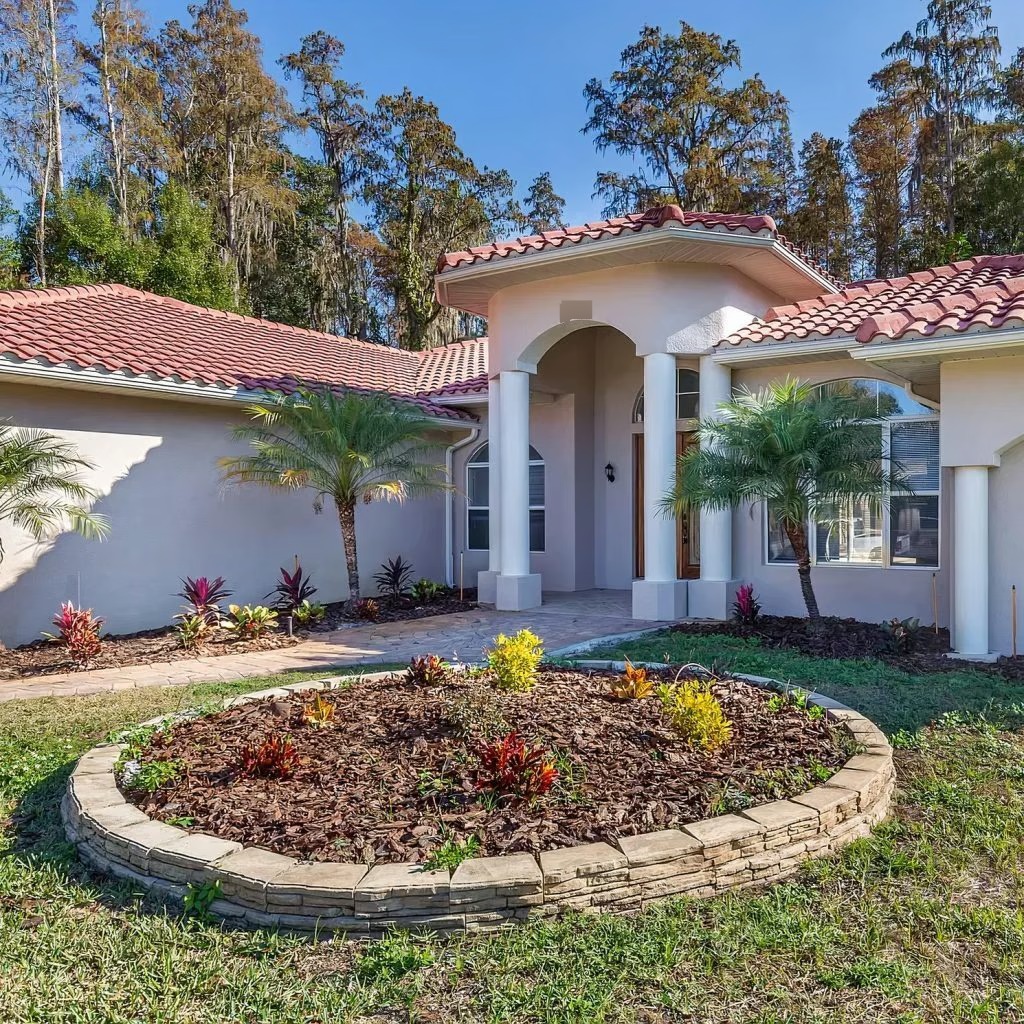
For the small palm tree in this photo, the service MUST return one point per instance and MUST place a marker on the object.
(347, 447)
(806, 451)
(39, 491)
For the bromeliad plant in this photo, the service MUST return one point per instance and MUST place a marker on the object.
(511, 770)
(394, 579)
(633, 684)
(513, 660)
(202, 596)
(746, 609)
(251, 622)
(807, 452)
(293, 588)
(345, 447)
(79, 631)
(274, 758)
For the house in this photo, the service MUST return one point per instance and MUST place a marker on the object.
(607, 341)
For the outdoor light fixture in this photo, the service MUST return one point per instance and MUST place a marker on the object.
(609, 471)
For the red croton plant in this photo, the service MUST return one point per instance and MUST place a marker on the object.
(511, 769)
(274, 758)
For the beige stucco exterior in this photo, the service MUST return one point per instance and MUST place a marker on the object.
(171, 515)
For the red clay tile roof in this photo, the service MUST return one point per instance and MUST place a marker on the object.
(117, 329)
(979, 294)
(460, 365)
(654, 218)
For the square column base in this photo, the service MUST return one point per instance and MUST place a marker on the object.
(712, 599)
(659, 601)
(517, 593)
(487, 586)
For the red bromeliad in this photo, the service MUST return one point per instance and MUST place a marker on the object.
(510, 768)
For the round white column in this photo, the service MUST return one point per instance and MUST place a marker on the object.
(659, 465)
(514, 437)
(715, 526)
(970, 560)
(494, 474)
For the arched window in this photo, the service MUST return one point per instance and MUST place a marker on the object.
(478, 514)
(687, 396)
(859, 533)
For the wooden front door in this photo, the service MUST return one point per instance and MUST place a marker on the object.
(687, 526)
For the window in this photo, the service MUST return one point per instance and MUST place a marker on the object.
(478, 500)
(687, 396)
(860, 533)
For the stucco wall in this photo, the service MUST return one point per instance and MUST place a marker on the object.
(171, 516)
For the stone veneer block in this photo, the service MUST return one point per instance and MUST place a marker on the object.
(780, 814)
(825, 799)
(658, 847)
(109, 819)
(870, 763)
(245, 873)
(133, 843)
(725, 829)
(195, 850)
(91, 792)
(388, 881)
(518, 873)
(864, 784)
(319, 885)
(560, 866)
(99, 760)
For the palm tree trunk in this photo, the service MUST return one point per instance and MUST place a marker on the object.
(347, 519)
(797, 533)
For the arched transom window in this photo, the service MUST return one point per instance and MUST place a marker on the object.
(478, 513)
(860, 532)
(687, 396)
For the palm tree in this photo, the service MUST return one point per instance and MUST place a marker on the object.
(39, 491)
(806, 451)
(347, 447)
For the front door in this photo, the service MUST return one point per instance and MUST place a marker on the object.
(687, 526)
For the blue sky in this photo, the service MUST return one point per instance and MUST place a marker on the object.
(509, 76)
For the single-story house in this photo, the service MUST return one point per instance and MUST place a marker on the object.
(606, 343)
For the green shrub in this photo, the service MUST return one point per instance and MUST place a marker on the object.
(513, 660)
(695, 713)
(251, 622)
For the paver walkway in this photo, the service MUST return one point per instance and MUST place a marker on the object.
(563, 620)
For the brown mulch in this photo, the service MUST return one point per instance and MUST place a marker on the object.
(394, 776)
(851, 638)
(398, 609)
(44, 657)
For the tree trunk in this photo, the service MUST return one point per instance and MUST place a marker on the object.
(797, 534)
(347, 518)
(54, 100)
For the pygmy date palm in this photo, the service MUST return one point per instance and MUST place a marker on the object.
(39, 489)
(346, 447)
(806, 452)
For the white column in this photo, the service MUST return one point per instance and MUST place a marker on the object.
(486, 581)
(516, 588)
(715, 526)
(970, 561)
(659, 596)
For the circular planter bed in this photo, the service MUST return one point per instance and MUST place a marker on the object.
(398, 783)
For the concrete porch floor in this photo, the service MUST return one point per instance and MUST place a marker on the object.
(563, 620)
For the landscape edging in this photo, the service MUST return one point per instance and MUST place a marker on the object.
(728, 852)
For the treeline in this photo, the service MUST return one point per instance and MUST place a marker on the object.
(166, 159)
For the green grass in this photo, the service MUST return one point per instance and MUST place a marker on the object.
(894, 699)
(922, 922)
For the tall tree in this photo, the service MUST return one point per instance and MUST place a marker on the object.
(952, 61)
(544, 207)
(427, 197)
(703, 144)
(339, 121)
(822, 220)
(38, 69)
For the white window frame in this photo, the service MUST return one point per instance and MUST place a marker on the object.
(536, 459)
(637, 416)
(887, 559)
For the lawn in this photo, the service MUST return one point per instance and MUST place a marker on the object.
(921, 922)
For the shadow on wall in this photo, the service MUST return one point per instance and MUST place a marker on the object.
(171, 515)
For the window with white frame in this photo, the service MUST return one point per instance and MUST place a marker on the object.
(478, 514)
(687, 396)
(859, 533)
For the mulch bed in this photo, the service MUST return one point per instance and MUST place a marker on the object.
(340, 614)
(395, 774)
(850, 638)
(44, 657)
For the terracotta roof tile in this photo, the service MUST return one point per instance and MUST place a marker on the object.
(633, 223)
(981, 293)
(117, 329)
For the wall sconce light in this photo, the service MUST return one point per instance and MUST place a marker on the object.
(609, 471)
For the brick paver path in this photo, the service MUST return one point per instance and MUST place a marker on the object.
(563, 620)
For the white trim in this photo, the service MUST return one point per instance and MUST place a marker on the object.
(761, 351)
(487, 508)
(647, 235)
(449, 504)
(967, 343)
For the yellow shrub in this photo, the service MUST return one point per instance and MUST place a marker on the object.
(513, 660)
(695, 713)
(633, 684)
